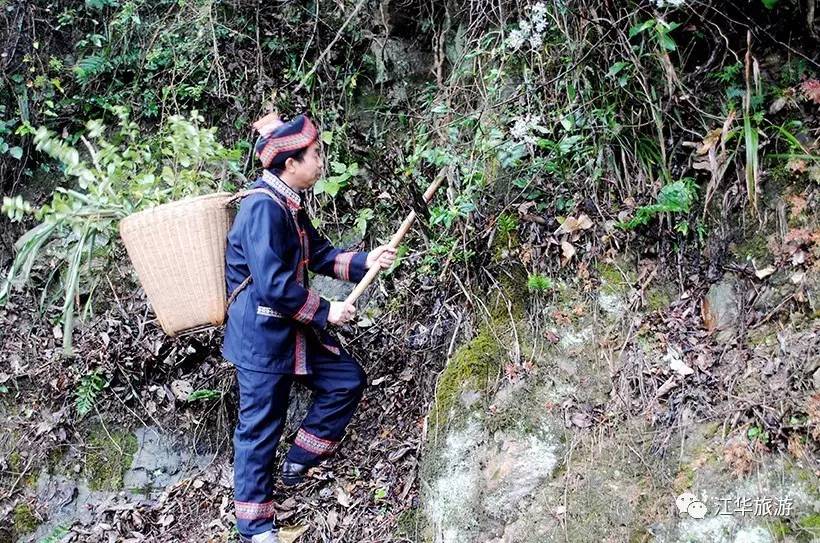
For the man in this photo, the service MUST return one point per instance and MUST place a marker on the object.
(277, 326)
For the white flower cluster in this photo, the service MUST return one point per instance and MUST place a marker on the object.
(532, 30)
(674, 3)
(524, 127)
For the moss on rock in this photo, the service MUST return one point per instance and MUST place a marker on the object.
(25, 520)
(658, 298)
(408, 522)
(755, 247)
(513, 288)
(475, 365)
(810, 526)
(779, 529)
(472, 367)
(616, 278)
(108, 457)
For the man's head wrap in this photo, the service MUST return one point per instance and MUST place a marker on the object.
(278, 140)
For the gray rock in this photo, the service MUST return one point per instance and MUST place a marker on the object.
(397, 59)
(331, 289)
(721, 307)
(160, 461)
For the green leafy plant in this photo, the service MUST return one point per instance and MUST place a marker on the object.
(88, 391)
(362, 218)
(539, 283)
(341, 175)
(729, 73)
(615, 72)
(204, 394)
(442, 249)
(117, 175)
(379, 494)
(401, 252)
(56, 535)
(5, 129)
(675, 197)
(756, 432)
(661, 28)
(506, 223)
(16, 208)
(462, 207)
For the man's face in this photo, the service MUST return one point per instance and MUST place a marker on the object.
(307, 171)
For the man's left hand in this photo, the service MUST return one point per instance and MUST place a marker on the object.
(382, 256)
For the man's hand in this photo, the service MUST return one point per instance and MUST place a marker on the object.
(340, 312)
(383, 256)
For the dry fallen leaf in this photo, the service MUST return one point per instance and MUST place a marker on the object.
(796, 165)
(181, 389)
(332, 520)
(568, 252)
(777, 105)
(342, 497)
(581, 420)
(709, 141)
(764, 272)
(289, 534)
(680, 367)
(811, 90)
(676, 363)
(798, 204)
(572, 224)
(709, 318)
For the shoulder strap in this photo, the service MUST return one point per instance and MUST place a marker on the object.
(241, 194)
(234, 198)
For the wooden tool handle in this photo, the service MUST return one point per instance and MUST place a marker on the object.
(396, 239)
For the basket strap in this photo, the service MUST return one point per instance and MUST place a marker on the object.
(238, 289)
(241, 194)
(234, 198)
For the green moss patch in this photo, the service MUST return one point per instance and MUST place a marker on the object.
(108, 456)
(513, 289)
(658, 298)
(755, 247)
(810, 526)
(25, 520)
(616, 278)
(473, 368)
(779, 529)
(408, 523)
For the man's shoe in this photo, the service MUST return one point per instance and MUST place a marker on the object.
(266, 537)
(293, 473)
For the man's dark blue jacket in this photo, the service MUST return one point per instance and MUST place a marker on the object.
(272, 319)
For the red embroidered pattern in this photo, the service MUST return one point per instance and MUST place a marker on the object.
(314, 444)
(341, 265)
(303, 263)
(290, 195)
(253, 511)
(274, 146)
(299, 354)
(309, 308)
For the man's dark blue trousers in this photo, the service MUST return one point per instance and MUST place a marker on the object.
(337, 383)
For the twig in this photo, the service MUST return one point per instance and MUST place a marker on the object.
(10, 493)
(771, 313)
(329, 47)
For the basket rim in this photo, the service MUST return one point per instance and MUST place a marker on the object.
(176, 203)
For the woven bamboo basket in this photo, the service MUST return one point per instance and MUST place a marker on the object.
(178, 252)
